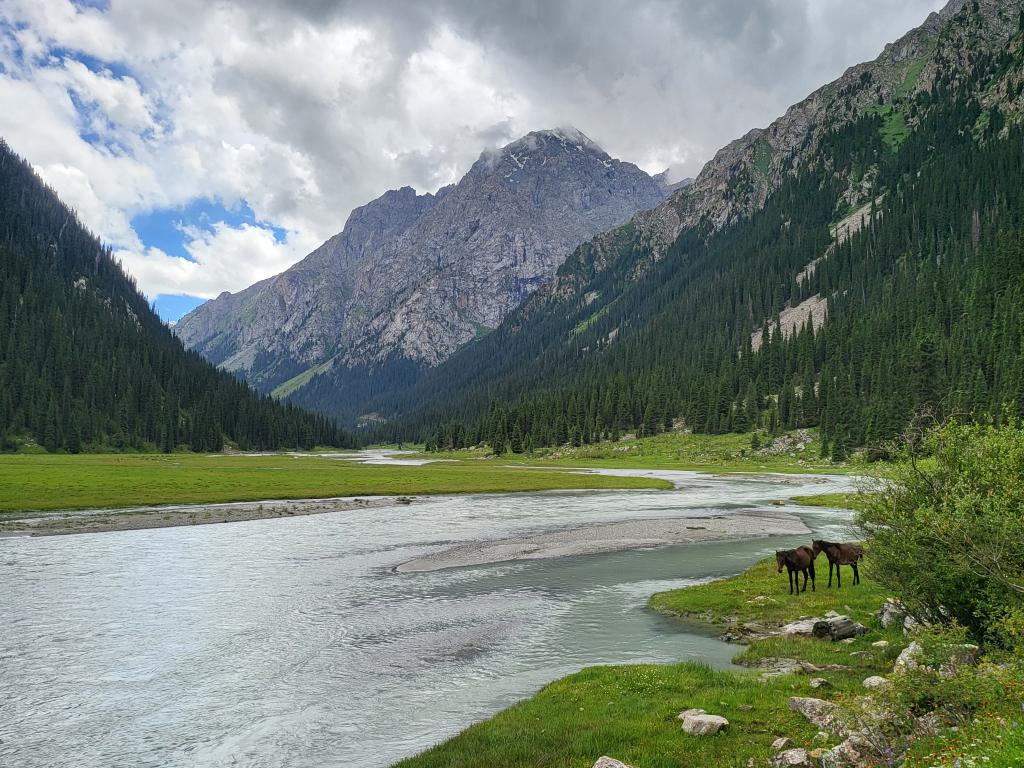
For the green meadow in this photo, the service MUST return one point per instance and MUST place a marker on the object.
(42, 482)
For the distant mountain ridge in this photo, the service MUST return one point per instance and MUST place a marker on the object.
(414, 277)
(824, 271)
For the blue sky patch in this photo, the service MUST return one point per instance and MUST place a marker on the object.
(163, 228)
(172, 307)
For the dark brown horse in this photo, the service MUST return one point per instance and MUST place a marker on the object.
(839, 554)
(797, 561)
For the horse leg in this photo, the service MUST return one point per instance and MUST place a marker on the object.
(805, 581)
(839, 575)
(856, 574)
(789, 573)
(830, 574)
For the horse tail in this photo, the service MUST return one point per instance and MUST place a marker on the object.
(812, 569)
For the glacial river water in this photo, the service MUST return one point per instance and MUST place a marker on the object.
(291, 642)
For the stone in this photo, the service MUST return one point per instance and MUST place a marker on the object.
(891, 613)
(880, 644)
(744, 708)
(837, 628)
(794, 758)
(781, 743)
(910, 625)
(819, 712)
(698, 723)
(875, 681)
(909, 658)
(799, 627)
(610, 762)
(819, 682)
(861, 654)
(930, 724)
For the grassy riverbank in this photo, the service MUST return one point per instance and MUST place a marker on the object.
(629, 712)
(792, 453)
(52, 481)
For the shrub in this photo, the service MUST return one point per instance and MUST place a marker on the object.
(947, 534)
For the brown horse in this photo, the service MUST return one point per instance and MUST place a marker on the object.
(839, 554)
(797, 561)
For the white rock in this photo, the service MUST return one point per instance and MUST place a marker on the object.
(891, 613)
(610, 762)
(820, 712)
(909, 658)
(793, 758)
(781, 743)
(875, 681)
(702, 724)
(880, 644)
(819, 682)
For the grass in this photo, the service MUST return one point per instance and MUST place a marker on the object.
(300, 380)
(831, 500)
(53, 481)
(680, 450)
(894, 129)
(739, 599)
(582, 326)
(629, 712)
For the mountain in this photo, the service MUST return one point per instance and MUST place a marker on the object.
(85, 364)
(853, 263)
(411, 278)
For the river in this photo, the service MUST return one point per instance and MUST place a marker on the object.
(292, 642)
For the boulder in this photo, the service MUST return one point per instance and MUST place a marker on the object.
(804, 626)
(891, 613)
(930, 724)
(909, 658)
(821, 713)
(794, 758)
(697, 722)
(781, 743)
(610, 762)
(840, 756)
(819, 682)
(875, 681)
(837, 628)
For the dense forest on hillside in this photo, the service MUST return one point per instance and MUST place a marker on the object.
(925, 303)
(85, 364)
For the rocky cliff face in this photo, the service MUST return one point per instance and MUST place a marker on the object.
(739, 178)
(416, 276)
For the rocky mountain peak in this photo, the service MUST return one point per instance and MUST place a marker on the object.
(415, 276)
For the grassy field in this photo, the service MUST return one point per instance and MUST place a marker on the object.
(629, 712)
(51, 481)
(681, 450)
(723, 602)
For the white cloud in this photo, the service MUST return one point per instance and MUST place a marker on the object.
(306, 110)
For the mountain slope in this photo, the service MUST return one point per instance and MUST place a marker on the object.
(413, 277)
(658, 320)
(85, 364)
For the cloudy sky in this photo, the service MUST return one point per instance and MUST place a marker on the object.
(214, 142)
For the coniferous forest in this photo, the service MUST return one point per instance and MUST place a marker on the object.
(925, 305)
(85, 364)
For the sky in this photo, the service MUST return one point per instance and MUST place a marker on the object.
(213, 143)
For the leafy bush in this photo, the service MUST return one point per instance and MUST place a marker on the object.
(947, 534)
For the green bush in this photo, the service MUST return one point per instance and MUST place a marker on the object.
(947, 534)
